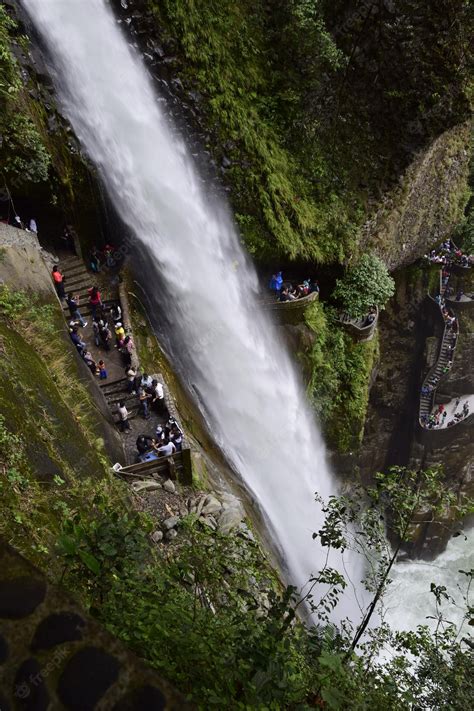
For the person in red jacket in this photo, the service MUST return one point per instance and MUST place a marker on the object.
(58, 282)
(95, 300)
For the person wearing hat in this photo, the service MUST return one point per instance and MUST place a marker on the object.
(119, 333)
(130, 374)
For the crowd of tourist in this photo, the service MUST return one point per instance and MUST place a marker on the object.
(449, 254)
(100, 258)
(104, 319)
(286, 291)
(437, 419)
(168, 439)
(107, 327)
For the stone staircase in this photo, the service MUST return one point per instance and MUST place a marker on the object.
(436, 373)
(78, 280)
(116, 390)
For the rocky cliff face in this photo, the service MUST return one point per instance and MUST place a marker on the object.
(409, 342)
(428, 203)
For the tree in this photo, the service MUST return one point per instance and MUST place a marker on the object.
(366, 284)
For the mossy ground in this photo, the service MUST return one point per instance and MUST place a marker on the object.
(340, 371)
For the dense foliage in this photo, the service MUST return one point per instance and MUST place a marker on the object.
(206, 611)
(364, 285)
(23, 155)
(339, 371)
(316, 107)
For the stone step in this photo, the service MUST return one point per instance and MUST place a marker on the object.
(71, 262)
(105, 387)
(81, 278)
(73, 269)
(85, 309)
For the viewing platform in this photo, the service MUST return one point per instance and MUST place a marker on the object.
(359, 329)
(290, 312)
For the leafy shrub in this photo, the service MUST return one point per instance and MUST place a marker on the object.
(339, 371)
(23, 155)
(366, 284)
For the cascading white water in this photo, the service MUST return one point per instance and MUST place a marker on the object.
(409, 601)
(243, 372)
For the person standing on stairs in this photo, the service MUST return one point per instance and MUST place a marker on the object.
(131, 374)
(102, 370)
(94, 260)
(143, 396)
(105, 334)
(158, 396)
(127, 349)
(95, 300)
(58, 282)
(124, 424)
(73, 306)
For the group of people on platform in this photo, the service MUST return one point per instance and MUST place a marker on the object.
(150, 395)
(66, 236)
(100, 258)
(438, 418)
(15, 221)
(168, 440)
(285, 291)
(448, 254)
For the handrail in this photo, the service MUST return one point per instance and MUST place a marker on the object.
(429, 398)
(293, 304)
(354, 325)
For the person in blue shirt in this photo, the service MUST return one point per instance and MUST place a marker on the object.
(276, 282)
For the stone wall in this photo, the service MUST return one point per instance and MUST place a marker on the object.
(53, 655)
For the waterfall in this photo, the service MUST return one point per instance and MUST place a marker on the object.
(246, 381)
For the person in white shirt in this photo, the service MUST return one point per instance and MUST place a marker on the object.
(167, 449)
(145, 381)
(158, 396)
(130, 373)
(124, 424)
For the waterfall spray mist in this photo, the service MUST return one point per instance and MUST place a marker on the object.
(248, 385)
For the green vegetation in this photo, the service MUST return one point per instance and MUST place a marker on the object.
(340, 371)
(23, 155)
(206, 612)
(364, 285)
(311, 111)
(464, 233)
(227, 60)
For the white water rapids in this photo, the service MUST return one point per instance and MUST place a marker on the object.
(408, 601)
(243, 372)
